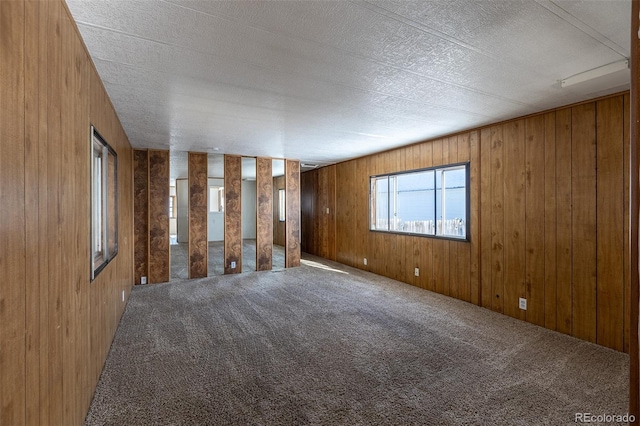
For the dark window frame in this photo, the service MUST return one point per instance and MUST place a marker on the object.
(435, 169)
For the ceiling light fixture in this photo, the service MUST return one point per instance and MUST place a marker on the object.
(605, 70)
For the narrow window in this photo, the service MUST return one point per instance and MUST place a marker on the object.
(104, 203)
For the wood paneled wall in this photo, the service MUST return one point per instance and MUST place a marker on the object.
(318, 201)
(549, 219)
(232, 213)
(198, 214)
(278, 227)
(264, 223)
(57, 326)
(292, 220)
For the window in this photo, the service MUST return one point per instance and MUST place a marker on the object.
(216, 198)
(282, 207)
(104, 203)
(432, 202)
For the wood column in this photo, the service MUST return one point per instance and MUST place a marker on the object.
(198, 215)
(159, 254)
(264, 220)
(232, 214)
(634, 353)
(292, 227)
(141, 213)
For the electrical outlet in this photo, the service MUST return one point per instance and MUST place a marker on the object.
(123, 295)
(327, 210)
(143, 280)
(416, 272)
(233, 265)
(523, 303)
(365, 261)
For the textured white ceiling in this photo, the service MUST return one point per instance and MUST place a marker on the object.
(324, 81)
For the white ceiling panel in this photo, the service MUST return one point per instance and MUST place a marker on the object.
(324, 81)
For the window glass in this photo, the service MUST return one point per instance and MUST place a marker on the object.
(424, 202)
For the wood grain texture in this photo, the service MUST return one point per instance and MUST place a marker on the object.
(292, 231)
(486, 289)
(141, 213)
(564, 268)
(198, 165)
(514, 217)
(550, 223)
(610, 226)
(535, 219)
(584, 231)
(497, 218)
(159, 254)
(264, 233)
(232, 214)
(12, 251)
(626, 232)
(59, 325)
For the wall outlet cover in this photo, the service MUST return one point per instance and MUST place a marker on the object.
(416, 272)
(143, 280)
(523, 304)
(233, 265)
(365, 261)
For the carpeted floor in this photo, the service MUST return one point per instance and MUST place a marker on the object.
(327, 344)
(180, 256)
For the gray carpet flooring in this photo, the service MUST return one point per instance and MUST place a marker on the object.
(180, 256)
(328, 344)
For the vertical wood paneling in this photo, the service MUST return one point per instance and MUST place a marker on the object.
(198, 214)
(514, 217)
(12, 225)
(497, 218)
(54, 249)
(550, 222)
(264, 235)
(159, 255)
(462, 261)
(610, 227)
(486, 236)
(535, 218)
(141, 213)
(564, 289)
(292, 230)
(56, 325)
(232, 213)
(583, 188)
(475, 289)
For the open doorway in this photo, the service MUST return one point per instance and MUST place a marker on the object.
(216, 215)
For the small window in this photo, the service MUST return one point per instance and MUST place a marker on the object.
(282, 207)
(216, 199)
(104, 203)
(431, 202)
